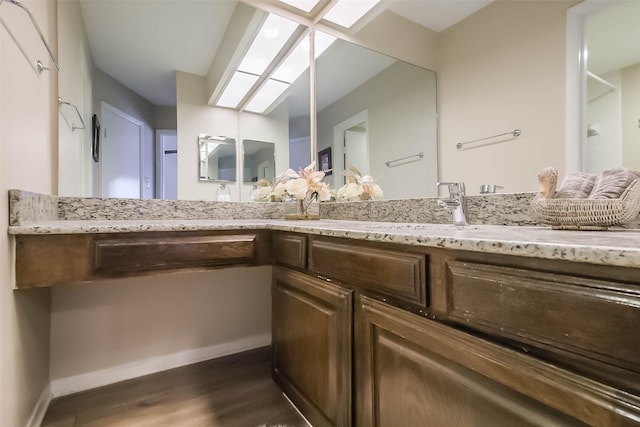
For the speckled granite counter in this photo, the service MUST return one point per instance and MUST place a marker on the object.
(619, 247)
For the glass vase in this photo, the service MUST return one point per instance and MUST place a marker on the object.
(302, 211)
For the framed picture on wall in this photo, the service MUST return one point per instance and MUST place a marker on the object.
(95, 141)
(324, 161)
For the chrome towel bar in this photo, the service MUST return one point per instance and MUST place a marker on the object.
(407, 159)
(73, 125)
(39, 64)
(515, 133)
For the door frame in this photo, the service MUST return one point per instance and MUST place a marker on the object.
(338, 142)
(106, 106)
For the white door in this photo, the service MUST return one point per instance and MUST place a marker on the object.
(356, 151)
(167, 143)
(121, 141)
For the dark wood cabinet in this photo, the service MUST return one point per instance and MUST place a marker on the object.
(453, 338)
(412, 371)
(312, 335)
(56, 259)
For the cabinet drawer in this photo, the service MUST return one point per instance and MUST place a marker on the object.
(591, 318)
(113, 257)
(290, 250)
(412, 371)
(397, 274)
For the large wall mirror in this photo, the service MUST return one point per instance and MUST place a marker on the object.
(393, 102)
(603, 97)
(378, 114)
(259, 161)
(613, 87)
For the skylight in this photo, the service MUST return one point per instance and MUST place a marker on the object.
(236, 89)
(274, 36)
(288, 72)
(304, 5)
(347, 12)
(270, 40)
(267, 94)
(295, 64)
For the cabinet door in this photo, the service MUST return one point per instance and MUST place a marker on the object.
(312, 331)
(412, 371)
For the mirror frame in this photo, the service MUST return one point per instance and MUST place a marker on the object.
(202, 136)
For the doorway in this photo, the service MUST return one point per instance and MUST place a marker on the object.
(167, 164)
(351, 146)
(121, 146)
(299, 152)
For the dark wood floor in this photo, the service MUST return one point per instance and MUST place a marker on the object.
(233, 391)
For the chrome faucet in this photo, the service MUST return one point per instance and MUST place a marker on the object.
(457, 202)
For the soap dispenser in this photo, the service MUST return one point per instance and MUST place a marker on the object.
(223, 193)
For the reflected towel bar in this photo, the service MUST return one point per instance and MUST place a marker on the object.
(515, 133)
(73, 125)
(37, 27)
(413, 158)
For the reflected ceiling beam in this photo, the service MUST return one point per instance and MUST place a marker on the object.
(242, 29)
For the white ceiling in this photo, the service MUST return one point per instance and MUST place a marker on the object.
(142, 43)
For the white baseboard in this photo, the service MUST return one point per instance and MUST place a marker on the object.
(76, 383)
(41, 407)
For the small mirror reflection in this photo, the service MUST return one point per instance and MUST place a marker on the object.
(217, 158)
(259, 161)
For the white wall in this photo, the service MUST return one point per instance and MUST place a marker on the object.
(500, 69)
(112, 330)
(28, 158)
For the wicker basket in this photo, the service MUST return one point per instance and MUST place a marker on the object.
(589, 214)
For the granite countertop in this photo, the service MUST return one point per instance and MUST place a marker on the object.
(619, 247)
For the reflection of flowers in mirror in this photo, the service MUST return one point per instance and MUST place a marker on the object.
(304, 185)
(358, 187)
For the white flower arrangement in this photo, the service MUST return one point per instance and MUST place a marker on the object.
(358, 187)
(305, 186)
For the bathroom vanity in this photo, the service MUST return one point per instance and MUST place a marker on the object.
(368, 333)
(404, 324)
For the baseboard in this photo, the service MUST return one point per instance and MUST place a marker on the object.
(41, 407)
(76, 383)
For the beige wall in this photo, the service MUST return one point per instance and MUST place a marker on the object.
(117, 329)
(401, 122)
(28, 155)
(195, 116)
(500, 69)
(396, 36)
(76, 166)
